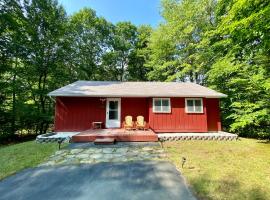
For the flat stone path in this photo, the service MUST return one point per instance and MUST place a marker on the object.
(88, 153)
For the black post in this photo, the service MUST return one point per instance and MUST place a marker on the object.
(183, 161)
(59, 144)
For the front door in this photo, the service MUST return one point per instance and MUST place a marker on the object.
(113, 112)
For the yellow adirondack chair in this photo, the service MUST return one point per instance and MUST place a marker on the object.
(128, 124)
(140, 123)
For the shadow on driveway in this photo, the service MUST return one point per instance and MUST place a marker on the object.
(103, 181)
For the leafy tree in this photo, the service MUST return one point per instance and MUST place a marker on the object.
(176, 45)
(89, 36)
(11, 20)
(241, 68)
(121, 46)
(31, 63)
(136, 69)
(43, 70)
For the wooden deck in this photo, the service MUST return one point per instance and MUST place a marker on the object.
(120, 135)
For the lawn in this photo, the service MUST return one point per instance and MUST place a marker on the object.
(232, 170)
(16, 157)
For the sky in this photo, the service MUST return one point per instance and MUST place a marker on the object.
(137, 12)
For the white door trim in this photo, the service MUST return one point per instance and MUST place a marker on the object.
(113, 123)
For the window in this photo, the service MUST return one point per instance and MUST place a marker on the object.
(161, 105)
(194, 105)
(113, 110)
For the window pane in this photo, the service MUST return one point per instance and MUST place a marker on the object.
(165, 108)
(158, 108)
(157, 105)
(157, 102)
(165, 102)
(165, 105)
(113, 114)
(113, 105)
(198, 106)
(190, 107)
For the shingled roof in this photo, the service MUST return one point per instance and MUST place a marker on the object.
(135, 89)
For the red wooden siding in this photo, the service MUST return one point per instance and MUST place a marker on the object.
(134, 107)
(77, 114)
(178, 120)
(213, 115)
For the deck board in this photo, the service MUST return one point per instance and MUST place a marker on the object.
(120, 135)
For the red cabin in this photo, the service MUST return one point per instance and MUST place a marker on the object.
(172, 107)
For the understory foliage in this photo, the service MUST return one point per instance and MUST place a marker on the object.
(222, 44)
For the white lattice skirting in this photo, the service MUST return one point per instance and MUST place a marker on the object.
(197, 136)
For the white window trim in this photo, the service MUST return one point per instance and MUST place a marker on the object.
(170, 107)
(186, 107)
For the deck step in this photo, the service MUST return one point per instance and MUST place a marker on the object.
(104, 141)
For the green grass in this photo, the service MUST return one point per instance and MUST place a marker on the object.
(16, 157)
(224, 170)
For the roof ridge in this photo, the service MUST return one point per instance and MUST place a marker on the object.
(135, 81)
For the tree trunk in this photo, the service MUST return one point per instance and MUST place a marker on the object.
(122, 71)
(13, 119)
